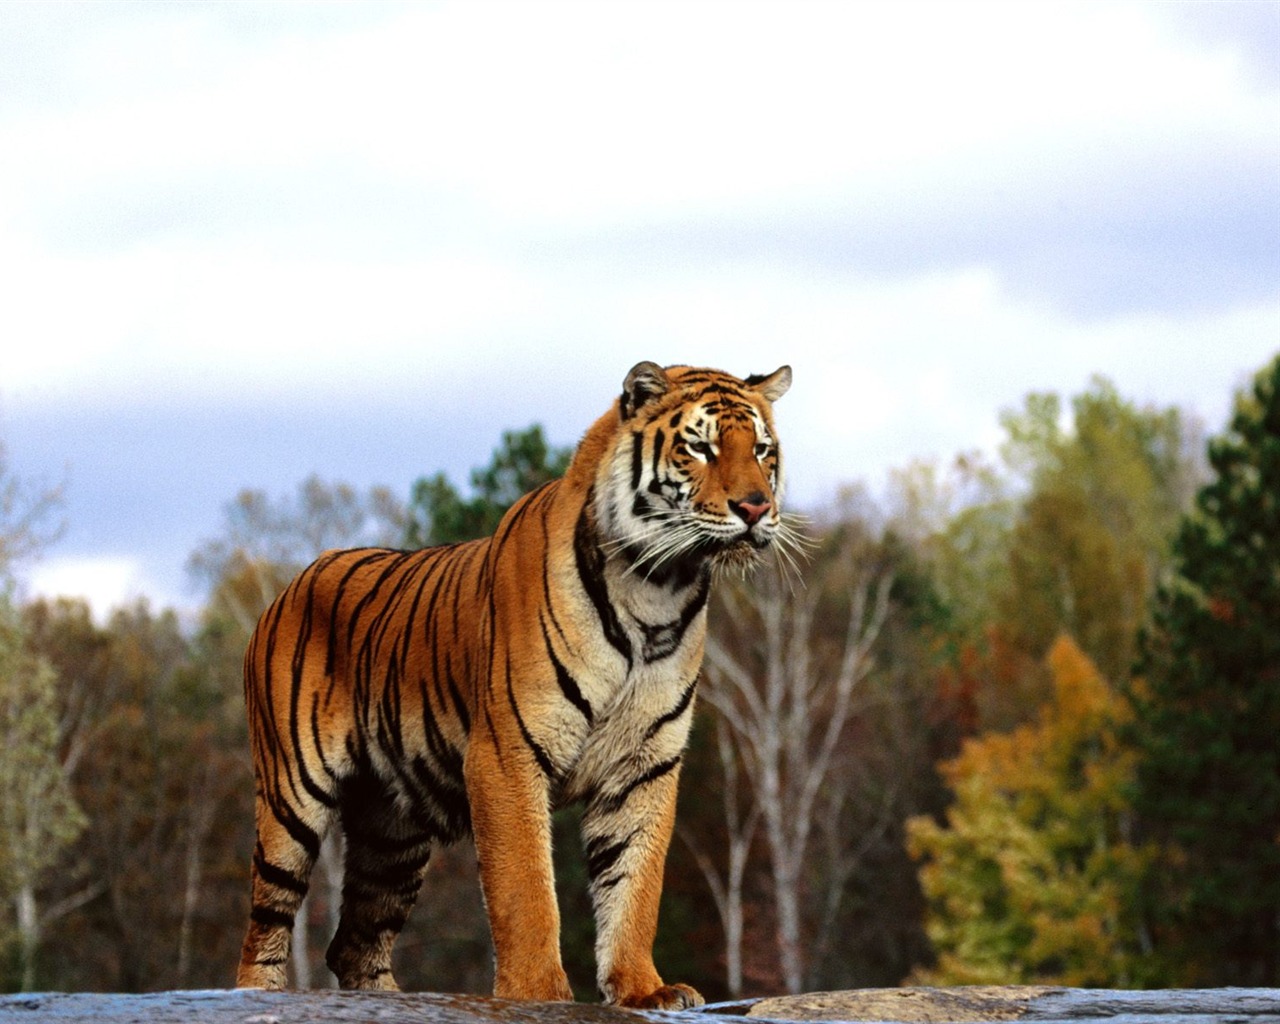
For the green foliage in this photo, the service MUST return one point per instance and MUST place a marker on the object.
(1068, 535)
(1033, 878)
(1208, 713)
(154, 748)
(25, 512)
(438, 514)
(39, 816)
(1092, 534)
(958, 521)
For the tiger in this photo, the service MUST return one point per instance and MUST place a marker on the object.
(418, 697)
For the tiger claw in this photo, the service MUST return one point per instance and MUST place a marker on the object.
(669, 997)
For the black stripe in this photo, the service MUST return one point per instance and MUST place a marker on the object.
(269, 918)
(380, 844)
(662, 640)
(295, 768)
(515, 514)
(298, 830)
(493, 735)
(275, 875)
(613, 802)
(568, 686)
(600, 858)
(676, 712)
(315, 739)
(459, 705)
(539, 755)
(363, 559)
(659, 442)
(400, 878)
(590, 563)
(637, 459)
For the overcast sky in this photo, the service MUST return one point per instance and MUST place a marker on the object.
(241, 243)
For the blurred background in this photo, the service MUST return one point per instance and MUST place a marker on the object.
(282, 276)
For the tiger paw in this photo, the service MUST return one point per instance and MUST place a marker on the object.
(668, 997)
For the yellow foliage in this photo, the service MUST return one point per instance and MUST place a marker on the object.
(1032, 877)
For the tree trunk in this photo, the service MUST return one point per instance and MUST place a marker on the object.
(786, 891)
(727, 892)
(28, 934)
(301, 950)
(787, 712)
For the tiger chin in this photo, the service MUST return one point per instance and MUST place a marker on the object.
(415, 698)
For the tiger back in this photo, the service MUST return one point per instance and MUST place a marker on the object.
(417, 697)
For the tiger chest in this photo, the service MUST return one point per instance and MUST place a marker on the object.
(636, 687)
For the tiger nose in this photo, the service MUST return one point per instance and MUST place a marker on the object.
(750, 508)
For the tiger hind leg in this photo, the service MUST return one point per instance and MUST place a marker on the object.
(386, 859)
(288, 843)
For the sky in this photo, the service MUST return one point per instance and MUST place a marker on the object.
(244, 243)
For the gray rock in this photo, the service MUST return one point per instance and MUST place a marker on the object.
(945, 1005)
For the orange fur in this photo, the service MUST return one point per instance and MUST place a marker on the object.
(420, 696)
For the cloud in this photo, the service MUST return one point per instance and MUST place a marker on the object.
(106, 582)
(242, 243)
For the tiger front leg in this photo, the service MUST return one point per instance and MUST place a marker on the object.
(511, 821)
(627, 833)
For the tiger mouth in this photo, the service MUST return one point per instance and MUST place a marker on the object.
(737, 552)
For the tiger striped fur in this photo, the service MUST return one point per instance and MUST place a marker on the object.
(416, 697)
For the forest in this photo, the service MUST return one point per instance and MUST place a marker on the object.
(1015, 720)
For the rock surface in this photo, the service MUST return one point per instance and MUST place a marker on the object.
(1025, 1003)
(945, 1005)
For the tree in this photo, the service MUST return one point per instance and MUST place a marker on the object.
(739, 824)
(1208, 712)
(438, 514)
(266, 542)
(1092, 534)
(1069, 534)
(151, 886)
(1033, 877)
(25, 512)
(786, 701)
(39, 816)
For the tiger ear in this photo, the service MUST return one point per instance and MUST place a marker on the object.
(645, 381)
(773, 386)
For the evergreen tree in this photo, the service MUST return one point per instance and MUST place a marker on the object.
(438, 514)
(1208, 712)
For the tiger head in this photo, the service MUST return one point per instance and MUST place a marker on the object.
(695, 469)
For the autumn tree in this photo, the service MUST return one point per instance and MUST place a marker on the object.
(1208, 713)
(1033, 877)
